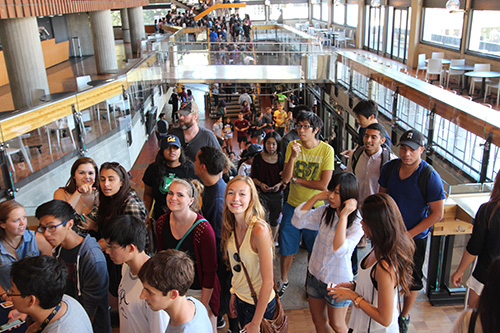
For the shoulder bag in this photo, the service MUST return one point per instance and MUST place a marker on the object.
(279, 323)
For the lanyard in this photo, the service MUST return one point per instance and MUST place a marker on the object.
(49, 318)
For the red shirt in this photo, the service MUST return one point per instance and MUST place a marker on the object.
(241, 124)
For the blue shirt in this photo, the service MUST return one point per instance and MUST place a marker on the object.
(27, 248)
(407, 195)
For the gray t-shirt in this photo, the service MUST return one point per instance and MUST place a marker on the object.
(203, 138)
(75, 320)
(199, 324)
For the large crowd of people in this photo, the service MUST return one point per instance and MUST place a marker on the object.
(201, 243)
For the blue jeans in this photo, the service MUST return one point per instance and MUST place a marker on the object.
(246, 311)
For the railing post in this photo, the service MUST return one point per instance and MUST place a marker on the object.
(394, 136)
(80, 130)
(486, 158)
(10, 189)
(430, 135)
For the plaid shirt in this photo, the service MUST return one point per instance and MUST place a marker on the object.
(135, 207)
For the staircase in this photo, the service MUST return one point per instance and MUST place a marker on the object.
(232, 108)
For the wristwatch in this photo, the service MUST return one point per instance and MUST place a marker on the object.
(294, 179)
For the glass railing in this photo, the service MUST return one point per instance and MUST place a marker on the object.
(64, 125)
(459, 130)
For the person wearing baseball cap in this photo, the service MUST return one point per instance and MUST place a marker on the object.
(190, 134)
(170, 163)
(418, 190)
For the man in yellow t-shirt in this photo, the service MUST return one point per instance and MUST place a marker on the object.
(309, 165)
(280, 117)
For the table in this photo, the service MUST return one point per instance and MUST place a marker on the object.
(95, 83)
(464, 68)
(443, 61)
(483, 75)
(56, 96)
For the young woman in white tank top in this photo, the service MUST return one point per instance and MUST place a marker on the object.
(384, 272)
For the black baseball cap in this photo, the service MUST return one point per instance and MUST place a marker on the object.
(413, 139)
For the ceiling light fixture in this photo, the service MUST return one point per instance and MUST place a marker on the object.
(375, 3)
(454, 6)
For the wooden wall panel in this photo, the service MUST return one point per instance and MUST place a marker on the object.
(27, 8)
(53, 54)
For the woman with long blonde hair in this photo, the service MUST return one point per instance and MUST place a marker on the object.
(247, 244)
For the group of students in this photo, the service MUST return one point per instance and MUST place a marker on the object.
(214, 242)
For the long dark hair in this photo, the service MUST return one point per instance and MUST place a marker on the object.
(389, 237)
(112, 206)
(275, 136)
(160, 163)
(71, 184)
(487, 307)
(495, 197)
(349, 189)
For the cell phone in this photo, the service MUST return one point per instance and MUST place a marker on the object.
(6, 305)
(8, 326)
(331, 285)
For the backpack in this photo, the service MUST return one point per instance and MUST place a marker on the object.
(386, 156)
(423, 178)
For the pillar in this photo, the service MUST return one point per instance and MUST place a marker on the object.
(24, 59)
(79, 26)
(125, 25)
(414, 38)
(137, 31)
(104, 41)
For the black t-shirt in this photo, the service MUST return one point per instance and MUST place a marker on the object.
(170, 242)
(160, 184)
(69, 259)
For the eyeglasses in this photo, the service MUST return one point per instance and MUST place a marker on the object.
(8, 294)
(237, 267)
(41, 229)
(112, 247)
(303, 126)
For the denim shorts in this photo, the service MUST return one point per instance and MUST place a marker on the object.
(289, 237)
(317, 289)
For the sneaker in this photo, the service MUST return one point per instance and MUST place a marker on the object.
(221, 322)
(282, 287)
(403, 323)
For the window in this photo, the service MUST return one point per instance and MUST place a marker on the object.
(442, 27)
(485, 32)
(316, 9)
(339, 14)
(256, 12)
(324, 10)
(116, 18)
(352, 15)
(295, 11)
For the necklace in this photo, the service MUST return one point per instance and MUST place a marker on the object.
(9, 244)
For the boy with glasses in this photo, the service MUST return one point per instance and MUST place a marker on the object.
(309, 165)
(38, 285)
(125, 242)
(88, 278)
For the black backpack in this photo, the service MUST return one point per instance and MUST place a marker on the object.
(386, 156)
(423, 178)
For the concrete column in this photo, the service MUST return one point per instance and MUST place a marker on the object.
(104, 41)
(24, 59)
(137, 31)
(414, 38)
(79, 26)
(125, 25)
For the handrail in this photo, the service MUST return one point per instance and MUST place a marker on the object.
(469, 115)
(23, 121)
(219, 6)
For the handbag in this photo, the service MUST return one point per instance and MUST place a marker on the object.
(279, 323)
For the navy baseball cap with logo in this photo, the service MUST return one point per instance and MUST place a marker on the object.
(413, 139)
(170, 140)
